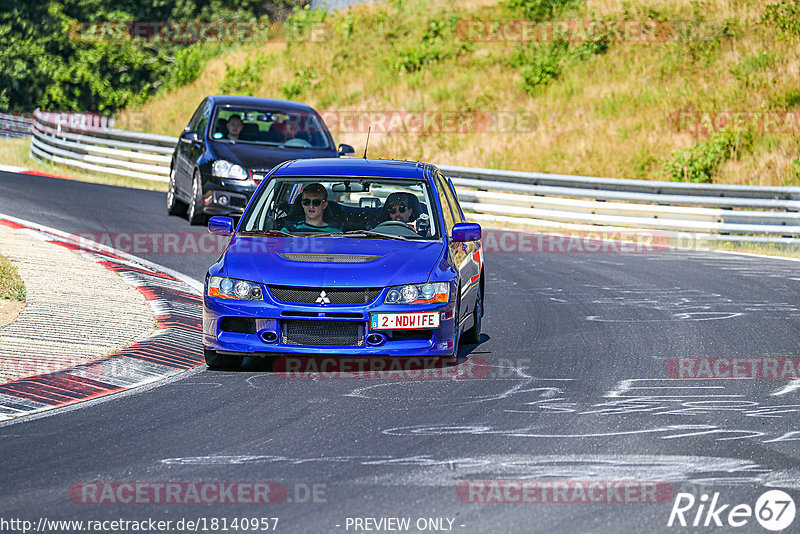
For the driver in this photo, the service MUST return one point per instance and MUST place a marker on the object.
(314, 200)
(401, 207)
(235, 127)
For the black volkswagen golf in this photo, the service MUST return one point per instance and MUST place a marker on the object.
(231, 143)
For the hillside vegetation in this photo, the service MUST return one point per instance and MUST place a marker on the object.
(601, 104)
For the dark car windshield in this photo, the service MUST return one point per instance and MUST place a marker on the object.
(258, 126)
(344, 207)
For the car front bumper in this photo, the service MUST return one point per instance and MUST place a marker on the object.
(247, 328)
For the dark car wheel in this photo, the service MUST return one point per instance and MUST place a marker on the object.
(174, 206)
(219, 361)
(195, 211)
(473, 335)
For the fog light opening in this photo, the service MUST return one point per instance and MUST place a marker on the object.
(268, 336)
(374, 340)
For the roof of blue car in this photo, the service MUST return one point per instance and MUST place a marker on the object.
(385, 168)
(259, 102)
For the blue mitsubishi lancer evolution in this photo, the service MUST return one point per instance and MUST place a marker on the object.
(345, 257)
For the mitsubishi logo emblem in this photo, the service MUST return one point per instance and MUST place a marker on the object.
(323, 298)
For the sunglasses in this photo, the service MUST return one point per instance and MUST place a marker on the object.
(395, 209)
(315, 201)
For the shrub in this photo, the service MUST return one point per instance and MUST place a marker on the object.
(303, 80)
(700, 162)
(437, 44)
(245, 80)
(542, 9)
(784, 15)
(301, 23)
(189, 63)
(540, 65)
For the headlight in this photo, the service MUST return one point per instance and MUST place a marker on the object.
(226, 169)
(228, 288)
(430, 293)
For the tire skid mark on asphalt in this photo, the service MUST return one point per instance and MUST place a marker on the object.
(173, 348)
(446, 471)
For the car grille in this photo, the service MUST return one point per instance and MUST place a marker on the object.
(238, 201)
(329, 258)
(311, 295)
(323, 333)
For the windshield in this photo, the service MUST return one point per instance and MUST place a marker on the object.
(259, 126)
(369, 208)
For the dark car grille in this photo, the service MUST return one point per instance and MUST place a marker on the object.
(309, 295)
(323, 333)
(238, 201)
(329, 258)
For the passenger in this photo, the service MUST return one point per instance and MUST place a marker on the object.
(235, 127)
(403, 207)
(314, 200)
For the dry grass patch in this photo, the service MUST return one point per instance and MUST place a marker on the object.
(604, 113)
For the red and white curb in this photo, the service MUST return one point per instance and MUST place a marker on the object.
(34, 172)
(175, 347)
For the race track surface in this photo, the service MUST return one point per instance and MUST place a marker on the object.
(572, 383)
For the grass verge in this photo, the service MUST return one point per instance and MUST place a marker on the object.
(11, 285)
(17, 152)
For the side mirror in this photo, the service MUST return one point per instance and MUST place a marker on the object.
(463, 232)
(346, 150)
(220, 225)
(189, 137)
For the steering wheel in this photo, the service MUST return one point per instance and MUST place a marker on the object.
(400, 225)
(297, 142)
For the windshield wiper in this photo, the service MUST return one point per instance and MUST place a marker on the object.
(269, 233)
(370, 233)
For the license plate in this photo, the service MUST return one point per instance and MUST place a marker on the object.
(404, 321)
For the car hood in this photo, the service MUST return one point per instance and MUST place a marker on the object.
(309, 261)
(263, 156)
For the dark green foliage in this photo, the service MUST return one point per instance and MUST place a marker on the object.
(700, 162)
(303, 80)
(50, 61)
(542, 9)
(784, 15)
(438, 43)
(542, 63)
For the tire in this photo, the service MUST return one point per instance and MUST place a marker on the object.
(453, 357)
(473, 335)
(218, 361)
(195, 210)
(174, 205)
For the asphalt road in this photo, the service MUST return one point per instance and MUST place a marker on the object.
(572, 384)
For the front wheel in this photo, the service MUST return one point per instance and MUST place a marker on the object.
(454, 356)
(473, 335)
(174, 206)
(215, 360)
(195, 212)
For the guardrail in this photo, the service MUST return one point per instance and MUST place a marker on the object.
(535, 200)
(15, 125)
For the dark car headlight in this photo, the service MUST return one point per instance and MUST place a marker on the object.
(429, 293)
(225, 169)
(230, 288)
